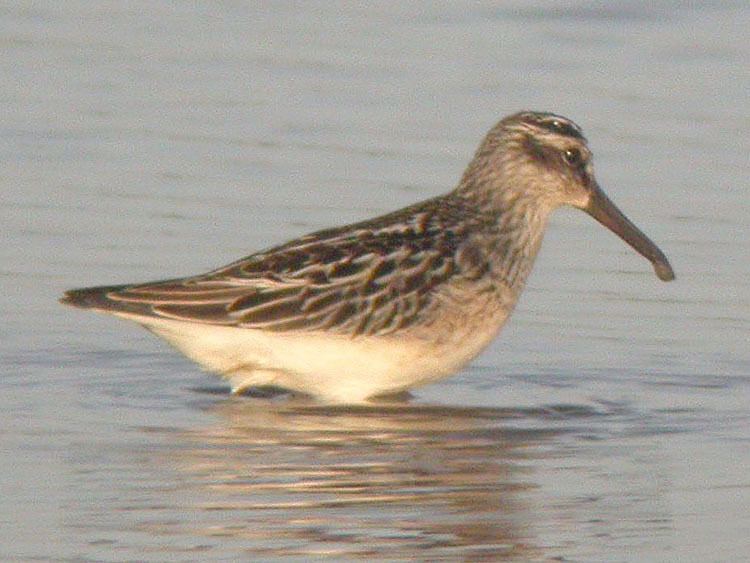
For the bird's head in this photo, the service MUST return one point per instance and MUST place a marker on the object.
(533, 162)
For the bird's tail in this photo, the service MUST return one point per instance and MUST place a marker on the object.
(101, 299)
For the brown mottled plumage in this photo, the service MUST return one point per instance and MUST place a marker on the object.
(351, 312)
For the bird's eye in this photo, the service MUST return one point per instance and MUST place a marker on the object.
(573, 157)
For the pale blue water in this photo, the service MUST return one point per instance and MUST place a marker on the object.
(609, 422)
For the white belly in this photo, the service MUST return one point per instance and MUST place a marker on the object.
(334, 368)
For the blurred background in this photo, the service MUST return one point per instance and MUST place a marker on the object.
(145, 140)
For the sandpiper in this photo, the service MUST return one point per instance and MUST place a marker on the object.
(390, 303)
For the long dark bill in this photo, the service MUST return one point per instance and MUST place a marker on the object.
(603, 210)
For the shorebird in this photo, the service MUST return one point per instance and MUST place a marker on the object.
(391, 303)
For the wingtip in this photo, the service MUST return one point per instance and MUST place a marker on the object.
(87, 297)
(77, 298)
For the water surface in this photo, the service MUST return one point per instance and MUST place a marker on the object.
(149, 139)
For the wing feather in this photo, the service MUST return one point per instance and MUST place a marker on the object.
(364, 279)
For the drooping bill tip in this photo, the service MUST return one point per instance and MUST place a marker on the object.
(603, 210)
(663, 270)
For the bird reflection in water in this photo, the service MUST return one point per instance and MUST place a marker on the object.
(392, 480)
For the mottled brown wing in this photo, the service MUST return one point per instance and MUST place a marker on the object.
(365, 281)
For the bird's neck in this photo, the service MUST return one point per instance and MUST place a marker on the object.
(520, 230)
(511, 233)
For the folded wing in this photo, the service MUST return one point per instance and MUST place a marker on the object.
(365, 281)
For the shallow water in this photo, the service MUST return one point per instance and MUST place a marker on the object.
(609, 422)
